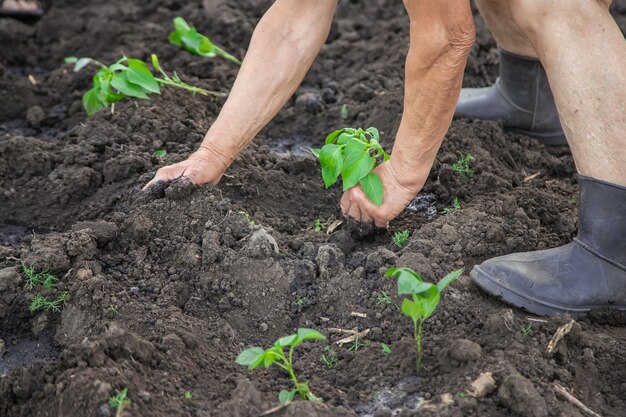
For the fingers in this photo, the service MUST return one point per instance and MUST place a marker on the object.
(165, 174)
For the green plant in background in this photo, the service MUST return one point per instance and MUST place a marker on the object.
(191, 40)
(159, 153)
(424, 299)
(127, 77)
(386, 348)
(383, 298)
(188, 395)
(344, 112)
(256, 357)
(299, 301)
(33, 278)
(463, 167)
(456, 205)
(352, 154)
(320, 226)
(119, 402)
(247, 216)
(526, 330)
(329, 357)
(39, 302)
(400, 238)
(357, 345)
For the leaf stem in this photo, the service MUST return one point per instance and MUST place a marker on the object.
(192, 89)
(417, 333)
(219, 51)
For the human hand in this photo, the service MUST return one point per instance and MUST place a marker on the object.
(205, 166)
(397, 194)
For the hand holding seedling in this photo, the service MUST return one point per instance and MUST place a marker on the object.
(256, 357)
(424, 299)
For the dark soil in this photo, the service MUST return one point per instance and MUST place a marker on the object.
(167, 287)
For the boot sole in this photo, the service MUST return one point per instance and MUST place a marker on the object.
(548, 139)
(523, 301)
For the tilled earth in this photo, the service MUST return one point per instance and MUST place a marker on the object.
(167, 287)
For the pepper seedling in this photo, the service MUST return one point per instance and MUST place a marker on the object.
(191, 40)
(127, 77)
(256, 357)
(352, 154)
(119, 401)
(424, 299)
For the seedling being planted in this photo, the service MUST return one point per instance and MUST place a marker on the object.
(119, 402)
(462, 166)
(127, 77)
(424, 299)
(256, 357)
(192, 41)
(400, 238)
(352, 154)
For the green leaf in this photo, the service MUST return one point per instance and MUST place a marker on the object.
(374, 134)
(373, 188)
(180, 24)
(70, 59)
(310, 334)
(332, 136)
(445, 281)
(271, 355)
(428, 301)
(411, 309)
(120, 82)
(159, 153)
(249, 356)
(286, 396)
(141, 75)
(286, 340)
(91, 102)
(315, 152)
(386, 348)
(331, 159)
(155, 62)
(409, 282)
(355, 167)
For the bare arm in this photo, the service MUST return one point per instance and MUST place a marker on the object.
(441, 35)
(284, 44)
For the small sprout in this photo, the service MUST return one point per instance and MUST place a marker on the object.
(400, 238)
(383, 298)
(572, 200)
(329, 357)
(119, 402)
(344, 112)
(256, 357)
(461, 394)
(424, 299)
(386, 348)
(192, 41)
(188, 395)
(352, 154)
(33, 278)
(320, 226)
(299, 301)
(456, 205)
(356, 345)
(462, 166)
(40, 302)
(526, 330)
(247, 216)
(125, 78)
(159, 153)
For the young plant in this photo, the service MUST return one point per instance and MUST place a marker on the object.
(424, 299)
(256, 357)
(352, 154)
(386, 348)
(188, 395)
(356, 345)
(127, 77)
(383, 298)
(329, 357)
(192, 41)
(119, 402)
(159, 153)
(526, 330)
(456, 205)
(40, 302)
(400, 238)
(33, 278)
(462, 166)
(320, 226)
(299, 301)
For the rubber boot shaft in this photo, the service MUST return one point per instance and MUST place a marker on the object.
(521, 99)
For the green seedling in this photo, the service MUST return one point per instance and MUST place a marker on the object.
(329, 357)
(386, 348)
(462, 394)
(119, 402)
(356, 345)
(159, 153)
(247, 216)
(320, 226)
(352, 154)
(383, 298)
(526, 330)
(462, 166)
(400, 238)
(40, 302)
(33, 278)
(424, 299)
(192, 41)
(299, 301)
(456, 205)
(344, 112)
(256, 357)
(188, 395)
(125, 78)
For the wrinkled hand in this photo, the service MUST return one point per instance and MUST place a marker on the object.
(397, 195)
(203, 167)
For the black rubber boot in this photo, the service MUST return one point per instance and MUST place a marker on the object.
(521, 99)
(588, 273)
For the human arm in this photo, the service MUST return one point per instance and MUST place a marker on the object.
(282, 49)
(441, 35)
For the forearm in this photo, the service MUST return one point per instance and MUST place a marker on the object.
(441, 37)
(282, 49)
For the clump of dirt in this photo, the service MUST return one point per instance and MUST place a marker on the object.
(167, 286)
